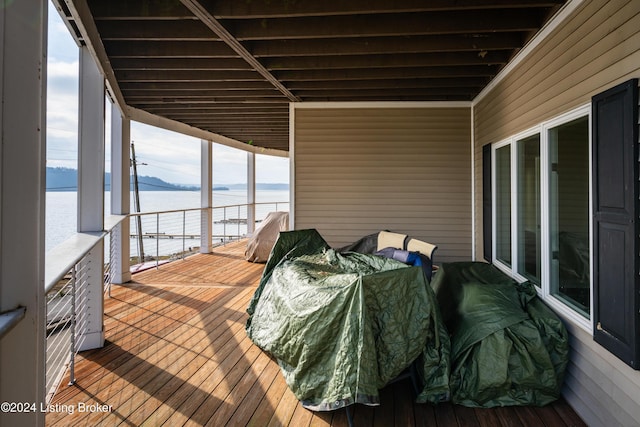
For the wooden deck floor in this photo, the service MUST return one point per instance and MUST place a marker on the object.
(177, 354)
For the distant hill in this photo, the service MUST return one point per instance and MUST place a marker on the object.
(261, 186)
(66, 179)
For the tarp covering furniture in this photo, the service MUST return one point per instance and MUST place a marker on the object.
(260, 244)
(507, 346)
(341, 326)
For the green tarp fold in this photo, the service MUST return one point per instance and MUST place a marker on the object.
(341, 326)
(507, 346)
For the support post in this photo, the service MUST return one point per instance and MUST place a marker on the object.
(206, 196)
(120, 195)
(22, 205)
(251, 193)
(91, 195)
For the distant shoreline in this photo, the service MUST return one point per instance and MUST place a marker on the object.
(66, 180)
(266, 187)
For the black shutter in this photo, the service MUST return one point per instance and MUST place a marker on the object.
(487, 233)
(615, 222)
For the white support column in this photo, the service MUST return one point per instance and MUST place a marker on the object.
(22, 205)
(206, 196)
(251, 193)
(91, 194)
(120, 195)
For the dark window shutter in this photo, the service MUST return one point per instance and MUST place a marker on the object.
(615, 222)
(487, 233)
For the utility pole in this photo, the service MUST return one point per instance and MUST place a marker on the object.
(136, 203)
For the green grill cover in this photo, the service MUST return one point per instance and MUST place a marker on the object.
(507, 346)
(341, 326)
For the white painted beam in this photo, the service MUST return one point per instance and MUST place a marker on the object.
(251, 193)
(22, 204)
(91, 193)
(206, 196)
(120, 195)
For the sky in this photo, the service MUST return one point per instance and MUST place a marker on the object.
(171, 156)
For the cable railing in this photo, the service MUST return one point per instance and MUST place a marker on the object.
(158, 237)
(71, 269)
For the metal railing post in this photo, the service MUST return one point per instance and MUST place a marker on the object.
(157, 239)
(184, 231)
(74, 315)
(224, 225)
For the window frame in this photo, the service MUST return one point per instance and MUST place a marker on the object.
(544, 291)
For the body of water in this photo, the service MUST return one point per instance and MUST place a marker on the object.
(61, 209)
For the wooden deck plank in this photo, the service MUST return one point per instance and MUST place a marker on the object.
(425, 415)
(466, 416)
(263, 413)
(235, 397)
(128, 363)
(301, 417)
(177, 354)
(322, 419)
(247, 408)
(403, 403)
(187, 388)
(383, 414)
(487, 417)
(284, 411)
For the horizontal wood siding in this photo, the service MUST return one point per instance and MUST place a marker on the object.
(595, 49)
(359, 171)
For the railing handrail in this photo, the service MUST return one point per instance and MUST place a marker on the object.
(63, 257)
(199, 209)
(11, 318)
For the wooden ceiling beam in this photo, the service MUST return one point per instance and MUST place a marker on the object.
(283, 9)
(208, 101)
(210, 64)
(148, 9)
(168, 49)
(370, 93)
(172, 29)
(242, 126)
(202, 100)
(387, 73)
(133, 94)
(297, 86)
(215, 106)
(196, 8)
(388, 61)
(255, 118)
(187, 76)
(162, 9)
(381, 45)
(223, 106)
(409, 24)
(170, 87)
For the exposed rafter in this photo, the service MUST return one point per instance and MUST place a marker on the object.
(201, 13)
(228, 69)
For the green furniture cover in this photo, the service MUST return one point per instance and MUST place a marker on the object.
(507, 346)
(342, 326)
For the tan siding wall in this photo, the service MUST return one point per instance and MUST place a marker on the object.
(358, 171)
(597, 48)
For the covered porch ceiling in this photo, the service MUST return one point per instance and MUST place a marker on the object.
(231, 67)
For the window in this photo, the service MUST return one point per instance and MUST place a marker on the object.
(528, 196)
(569, 278)
(541, 211)
(503, 205)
